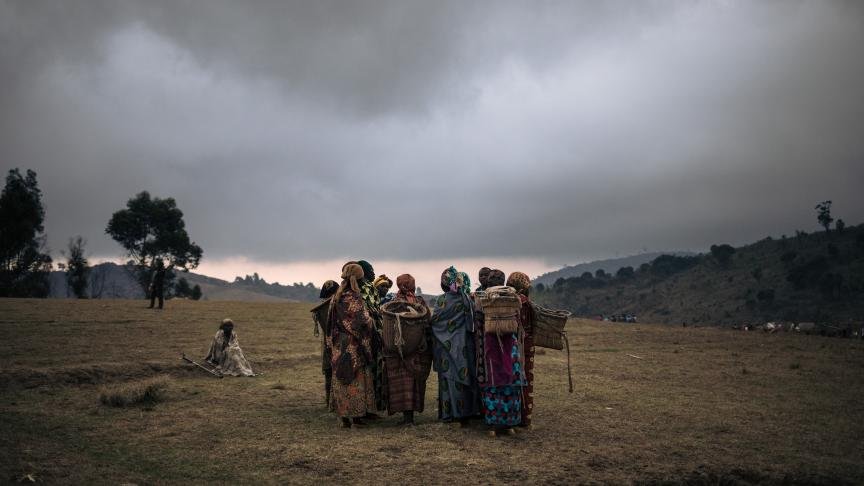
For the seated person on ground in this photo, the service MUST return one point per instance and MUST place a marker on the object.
(225, 353)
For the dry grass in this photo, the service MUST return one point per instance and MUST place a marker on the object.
(138, 392)
(685, 412)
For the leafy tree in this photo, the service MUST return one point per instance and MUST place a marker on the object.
(722, 253)
(823, 215)
(182, 288)
(77, 267)
(625, 272)
(600, 273)
(196, 292)
(25, 266)
(152, 228)
(840, 225)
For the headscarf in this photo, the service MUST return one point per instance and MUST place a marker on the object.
(405, 284)
(495, 278)
(454, 281)
(351, 274)
(227, 328)
(482, 277)
(328, 289)
(382, 281)
(520, 282)
(368, 271)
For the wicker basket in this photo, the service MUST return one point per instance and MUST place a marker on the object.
(404, 327)
(549, 327)
(320, 317)
(500, 306)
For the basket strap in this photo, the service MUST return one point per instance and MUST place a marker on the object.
(569, 374)
(399, 341)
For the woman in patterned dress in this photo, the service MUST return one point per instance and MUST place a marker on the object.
(522, 284)
(454, 349)
(500, 372)
(351, 334)
(406, 376)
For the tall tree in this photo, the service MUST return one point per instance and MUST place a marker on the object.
(150, 229)
(823, 215)
(25, 266)
(77, 267)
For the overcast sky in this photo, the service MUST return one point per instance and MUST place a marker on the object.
(296, 135)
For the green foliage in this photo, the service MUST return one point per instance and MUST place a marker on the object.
(666, 265)
(823, 214)
(182, 288)
(840, 225)
(196, 293)
(625, 273)
(722, 253)
(77, 267)
(24, 265)
(150, 229)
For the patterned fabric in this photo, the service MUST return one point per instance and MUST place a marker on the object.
(372, 300)
(351, 343)
(350, 336)
(520, 282)
(526, 316)
(382, 281)
(355, 399)
(406, 379)
(502, 405)
(454, 354)
(407, 288)
(454, 281)
(479, 343)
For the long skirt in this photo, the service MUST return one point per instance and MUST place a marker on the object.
(502, 405)
(406, 382)
(457, 400)
(528, 389)
(357, 398)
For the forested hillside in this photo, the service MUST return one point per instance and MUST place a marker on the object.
(807, 277)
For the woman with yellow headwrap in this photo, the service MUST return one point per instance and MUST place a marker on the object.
(350, 340)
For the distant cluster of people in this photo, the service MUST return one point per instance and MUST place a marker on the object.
(482, 375)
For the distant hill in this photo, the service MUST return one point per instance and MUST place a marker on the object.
(809, 277)
(112, 281)
(609, 266)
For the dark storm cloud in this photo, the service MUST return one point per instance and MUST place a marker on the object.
(406, 130)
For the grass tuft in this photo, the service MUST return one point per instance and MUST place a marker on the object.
(140, 392)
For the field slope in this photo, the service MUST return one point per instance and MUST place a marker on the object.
(653, 404)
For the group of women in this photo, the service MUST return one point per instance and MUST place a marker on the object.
(481, 375)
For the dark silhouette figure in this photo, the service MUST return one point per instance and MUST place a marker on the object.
(157, 284)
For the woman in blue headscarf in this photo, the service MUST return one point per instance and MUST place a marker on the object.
(453, 342)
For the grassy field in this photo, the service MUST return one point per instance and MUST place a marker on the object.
(652, 404)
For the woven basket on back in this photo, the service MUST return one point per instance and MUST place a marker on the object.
(404, 327)
(500, 306)
(549, 327)
(549, 332)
